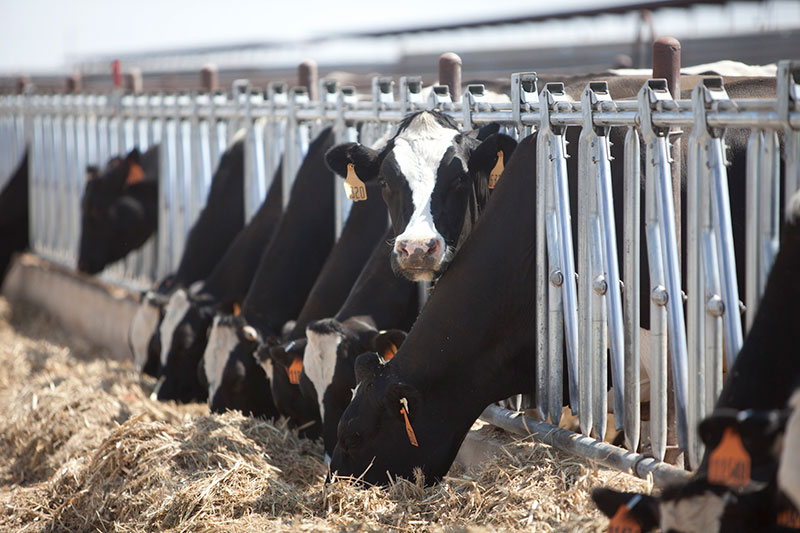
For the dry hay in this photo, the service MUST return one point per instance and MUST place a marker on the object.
(83, 448)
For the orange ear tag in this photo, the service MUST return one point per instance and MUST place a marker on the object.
(789, 519)
(729, 463)
(409, 430)
(294, 371)
(135, 174)
(237, 309)
(389, 352)
(623, 522)
(494, 176)
(354, 188)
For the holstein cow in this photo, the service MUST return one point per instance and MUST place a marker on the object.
(378, 300)
(766, 372)
(14, 215)
(222, 291)
(285, 274)
(415, 410)
(435, 184)
(220, 220)
(365, 225)
(119, 210)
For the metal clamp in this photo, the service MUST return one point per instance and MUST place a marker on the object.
(439, 98)
(524, 95)
(471, 100)
(411, 93)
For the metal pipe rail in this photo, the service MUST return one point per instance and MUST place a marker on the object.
(587, 304)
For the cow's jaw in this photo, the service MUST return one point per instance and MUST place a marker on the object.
(174, 314)
(319, 362)
(143, 327)
(221, 342)
(418, 150)
(701, 514)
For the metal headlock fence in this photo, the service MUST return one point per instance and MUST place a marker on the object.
(584, 303)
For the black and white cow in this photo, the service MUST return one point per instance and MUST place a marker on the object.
(764, 376)
(14, 215)
(218, 223)
(378, 300)
(220, 292)
(455, 361)
(435, 184)
(365, 225)
(287, 269)
(119, 209)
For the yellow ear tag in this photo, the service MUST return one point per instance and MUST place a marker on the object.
(135, 174)
(623, 522)
(294, 371)
(494, 176)
(729, 463)
(354, 188)
(412, 438)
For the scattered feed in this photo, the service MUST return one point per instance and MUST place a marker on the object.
(83, 448)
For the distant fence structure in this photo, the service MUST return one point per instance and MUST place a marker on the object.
(584, 314)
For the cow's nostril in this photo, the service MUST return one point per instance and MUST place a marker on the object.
(433, 247)
(401, 249)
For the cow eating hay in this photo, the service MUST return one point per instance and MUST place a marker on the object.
(82, 447)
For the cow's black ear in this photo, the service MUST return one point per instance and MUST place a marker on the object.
(92, 172)
(367, 366)
(489, 129)
(387, 342)
(365, 160)
(641, 507)
(201, 372)
(484, 158)
(279, 355)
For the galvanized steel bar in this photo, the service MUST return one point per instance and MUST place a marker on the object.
(631, 272)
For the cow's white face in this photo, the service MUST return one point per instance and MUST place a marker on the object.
(319, 362)
(221, 342)
(144, 325)
(418, 152)
(699, 514)
(176, 310)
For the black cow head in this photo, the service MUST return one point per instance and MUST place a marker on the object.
(284, 363)
(235, 381)
(435, 183)
(328, 366)
(393, 426)
(700, 505)
(114, 219)
(183, 334)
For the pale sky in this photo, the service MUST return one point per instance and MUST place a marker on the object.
(42, 35)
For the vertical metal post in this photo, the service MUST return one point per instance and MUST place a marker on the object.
(450, 73)
(631, 266)
(297, 97)
(788, 92)
(553, 197)
(662, 244)
(524, 95)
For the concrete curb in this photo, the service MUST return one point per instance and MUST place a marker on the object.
(84, 305)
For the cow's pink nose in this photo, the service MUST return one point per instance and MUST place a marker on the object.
(408, 248)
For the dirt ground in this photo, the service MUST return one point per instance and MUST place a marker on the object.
(83, 448)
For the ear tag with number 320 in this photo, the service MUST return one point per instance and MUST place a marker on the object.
(354, 188)
(729, 463)
(494, 175)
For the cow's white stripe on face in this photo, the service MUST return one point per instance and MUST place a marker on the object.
(698, 514)
(319, 362)
(176, 310)
(419, 150)
(789, 469)
(221, 342)
(143, 327)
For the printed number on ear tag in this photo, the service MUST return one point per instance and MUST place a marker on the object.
(623, 522)
(354, 188)
(494, 176)
(729, 463)
(294, 371)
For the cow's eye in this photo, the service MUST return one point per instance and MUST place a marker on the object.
(352, 441)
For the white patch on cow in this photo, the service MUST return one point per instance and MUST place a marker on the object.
(143, 327)
(354, 391)
(238, 136)
(327, 459)
(793, 213)
(698, 514)
(221, 342)
(418, 150)
(789, 469)
(319, 362)
(176, 310)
